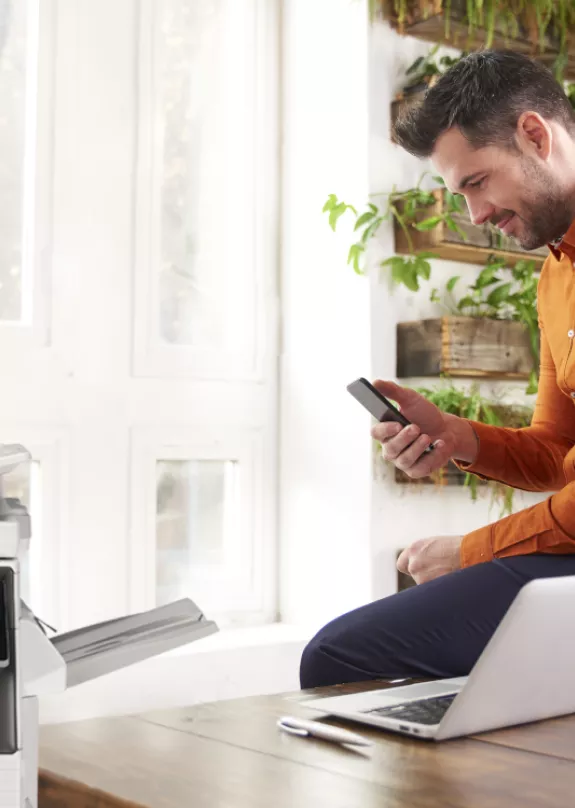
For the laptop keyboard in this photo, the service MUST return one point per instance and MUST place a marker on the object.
(422, 711)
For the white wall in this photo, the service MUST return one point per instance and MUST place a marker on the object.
(324, 447)
(401, 513)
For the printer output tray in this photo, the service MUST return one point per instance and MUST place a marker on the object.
(105, 647)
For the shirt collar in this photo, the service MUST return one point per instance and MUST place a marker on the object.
(564, 245)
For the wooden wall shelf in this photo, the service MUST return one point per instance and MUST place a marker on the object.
(432, 28)
(472, 347)
(482, 241)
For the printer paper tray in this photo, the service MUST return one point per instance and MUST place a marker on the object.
(105, 647)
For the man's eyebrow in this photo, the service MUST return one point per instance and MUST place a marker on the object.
(469, 178)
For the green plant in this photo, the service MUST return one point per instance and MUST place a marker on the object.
(570, 92)
(512, 296)
(471, 404)
(536, 21)
(425, 68)
(407, 208)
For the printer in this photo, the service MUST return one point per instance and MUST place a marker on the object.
(33, 664)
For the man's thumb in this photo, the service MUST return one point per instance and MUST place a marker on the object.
(403, 561)
(403, 395)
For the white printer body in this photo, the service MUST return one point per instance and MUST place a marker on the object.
(33, 665)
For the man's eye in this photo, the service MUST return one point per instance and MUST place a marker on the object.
(477, 183)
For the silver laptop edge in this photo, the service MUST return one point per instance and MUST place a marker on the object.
(525, 673)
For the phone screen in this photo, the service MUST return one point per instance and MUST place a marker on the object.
(375, 403)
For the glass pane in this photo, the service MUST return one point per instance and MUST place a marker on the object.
(15, 47)
(24, 483)
(195, 500)
(206, 215)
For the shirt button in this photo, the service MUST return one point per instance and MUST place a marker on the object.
(571, 334)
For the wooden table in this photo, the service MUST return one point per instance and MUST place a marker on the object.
(231, 754)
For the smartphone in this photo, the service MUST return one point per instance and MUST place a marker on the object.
(374, 402)
(378, 405)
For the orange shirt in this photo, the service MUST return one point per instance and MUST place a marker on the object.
(540, 457)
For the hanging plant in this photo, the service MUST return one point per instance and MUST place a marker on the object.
(408, 209)
(472, 405)
(425, 71)
(544, 25)
(499, 293)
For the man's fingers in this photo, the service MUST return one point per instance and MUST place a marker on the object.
(393, 447)
(430, 462)
(411, 455)
(385, 430)
(403, 560)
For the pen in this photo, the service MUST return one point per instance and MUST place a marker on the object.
(303, 727)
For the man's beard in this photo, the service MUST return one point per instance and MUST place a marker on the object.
(547, 215)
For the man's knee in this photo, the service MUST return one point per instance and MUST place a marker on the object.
(327, 658)
(315, 668)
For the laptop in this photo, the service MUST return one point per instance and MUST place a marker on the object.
(525, 673)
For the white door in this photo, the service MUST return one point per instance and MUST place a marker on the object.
(138, 299)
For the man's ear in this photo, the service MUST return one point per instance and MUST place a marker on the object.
(534, 135)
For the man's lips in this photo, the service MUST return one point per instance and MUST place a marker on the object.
(504, 224)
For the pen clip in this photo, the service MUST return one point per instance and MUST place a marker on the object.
(292, 730)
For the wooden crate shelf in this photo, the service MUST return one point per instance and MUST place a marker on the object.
(429, 24)
(448, 475)
(472, 347)
(482, 241)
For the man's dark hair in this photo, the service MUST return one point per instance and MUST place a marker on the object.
(484, 94)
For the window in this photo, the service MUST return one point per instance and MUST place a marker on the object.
(196, 515)
(205, 320)
(18, 65)
(203, 162)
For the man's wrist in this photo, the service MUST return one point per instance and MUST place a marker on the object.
(466, 440)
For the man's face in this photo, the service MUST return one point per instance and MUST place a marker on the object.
(512, 189)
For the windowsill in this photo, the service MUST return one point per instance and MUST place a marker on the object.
(247, 636)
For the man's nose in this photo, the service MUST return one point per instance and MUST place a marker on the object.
(479, 212)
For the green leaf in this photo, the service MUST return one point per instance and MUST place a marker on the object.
(425, 198)
(371, 230)
(439, 180)
(412, 68)
(425, 254)
(402, 271)
(451, 283)
(422, 268)
(364, 219)
(331, 201)
(410, 278)
(499, 295)
(452, 224)
(334, 214)
(353, 256)
(487, 276)
(533, 385)
(409, 208)
(466, 302)
(428, 224)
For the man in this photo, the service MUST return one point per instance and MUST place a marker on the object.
(500, 130)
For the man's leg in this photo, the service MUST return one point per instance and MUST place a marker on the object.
(436, 629)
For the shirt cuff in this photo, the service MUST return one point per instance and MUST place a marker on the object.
(476, 547)
(490, 459)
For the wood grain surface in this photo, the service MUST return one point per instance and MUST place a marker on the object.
(231, 753)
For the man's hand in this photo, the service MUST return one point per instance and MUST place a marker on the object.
(404, 447)
(427, 559)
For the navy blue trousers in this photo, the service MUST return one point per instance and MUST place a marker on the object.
(436, 629)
